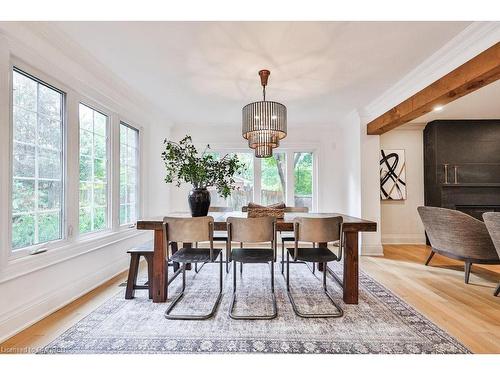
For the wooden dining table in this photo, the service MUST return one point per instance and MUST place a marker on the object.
(351, 228)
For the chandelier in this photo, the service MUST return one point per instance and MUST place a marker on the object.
(264, 122)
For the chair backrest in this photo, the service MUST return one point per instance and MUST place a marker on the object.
(258, 229)
(492, 222)
(318, 229)
(220, 209)
(457, 233)
(192, 229)
(296, 209)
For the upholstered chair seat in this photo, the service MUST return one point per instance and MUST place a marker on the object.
(253, 255)
(317, 254)
(194, 255)
(492, 222)
(457, 235)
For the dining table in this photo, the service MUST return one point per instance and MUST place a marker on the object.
(351, 227)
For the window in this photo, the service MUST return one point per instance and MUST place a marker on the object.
(244, 183)
(303, 179)
(129, 145)
(93, 208)
(273, 179)
(37, 154)
(243, 194)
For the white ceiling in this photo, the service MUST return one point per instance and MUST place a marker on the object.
(481, 104)
(204, 72)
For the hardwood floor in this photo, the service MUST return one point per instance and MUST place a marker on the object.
(468, 312)
(49, 328)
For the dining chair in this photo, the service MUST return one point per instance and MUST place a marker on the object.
(219, 236)
(315, 230)
(289, 237)
(195, 229)
(492, 222)
(261, 229)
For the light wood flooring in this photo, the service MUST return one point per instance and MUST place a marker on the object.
(468, 312)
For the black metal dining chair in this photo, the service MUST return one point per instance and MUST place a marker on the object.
(219, 236)
(290, 237)
(196, 229)
(315, 230)
(255, 230)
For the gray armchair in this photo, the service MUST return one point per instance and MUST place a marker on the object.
(458, 236)
(492, 222)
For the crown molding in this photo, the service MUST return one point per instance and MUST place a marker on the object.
(49, 47)
(473, 40)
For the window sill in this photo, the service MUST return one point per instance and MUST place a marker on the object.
(19, 266)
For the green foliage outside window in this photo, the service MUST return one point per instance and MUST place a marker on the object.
(184, 164)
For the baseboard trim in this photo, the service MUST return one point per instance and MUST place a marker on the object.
(27, 315)
(403, 239)
(372, 250)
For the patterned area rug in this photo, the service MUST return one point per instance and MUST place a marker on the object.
(380, 323)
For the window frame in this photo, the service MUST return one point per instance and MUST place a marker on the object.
(290, 175)
(109, 170)
(229, 150)
(41, 78)
(314, 176)
(138, 202)
(20, 261)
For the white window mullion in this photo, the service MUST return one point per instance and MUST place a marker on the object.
(257, 180)
(5, 150)
(315, 204)
(36, 162)
(290, 179)
(72, 166)
(114, 131)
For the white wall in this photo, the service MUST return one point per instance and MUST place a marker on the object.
(370, 191)
(32, 287)
(157, 192)
(336, 150)
(473, 40)
(400, 222)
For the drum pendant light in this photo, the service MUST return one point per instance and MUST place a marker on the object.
(264, 122)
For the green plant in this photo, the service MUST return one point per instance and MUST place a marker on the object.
(184, 164)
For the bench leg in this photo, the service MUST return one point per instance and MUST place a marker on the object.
(149, 261)
(132, 276)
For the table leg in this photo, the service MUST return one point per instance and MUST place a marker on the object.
(351, 271)
(159, 268)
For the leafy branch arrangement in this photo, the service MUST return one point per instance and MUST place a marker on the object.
(183, 164)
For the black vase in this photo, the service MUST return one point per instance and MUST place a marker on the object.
(199, 202)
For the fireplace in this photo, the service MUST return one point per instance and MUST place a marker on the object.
(477, 211)
(462, 165)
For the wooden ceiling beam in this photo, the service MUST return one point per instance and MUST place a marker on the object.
(472, 75)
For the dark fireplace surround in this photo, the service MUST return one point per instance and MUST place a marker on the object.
(462, 165)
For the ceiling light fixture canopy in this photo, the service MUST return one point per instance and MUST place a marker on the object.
(264, 122)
